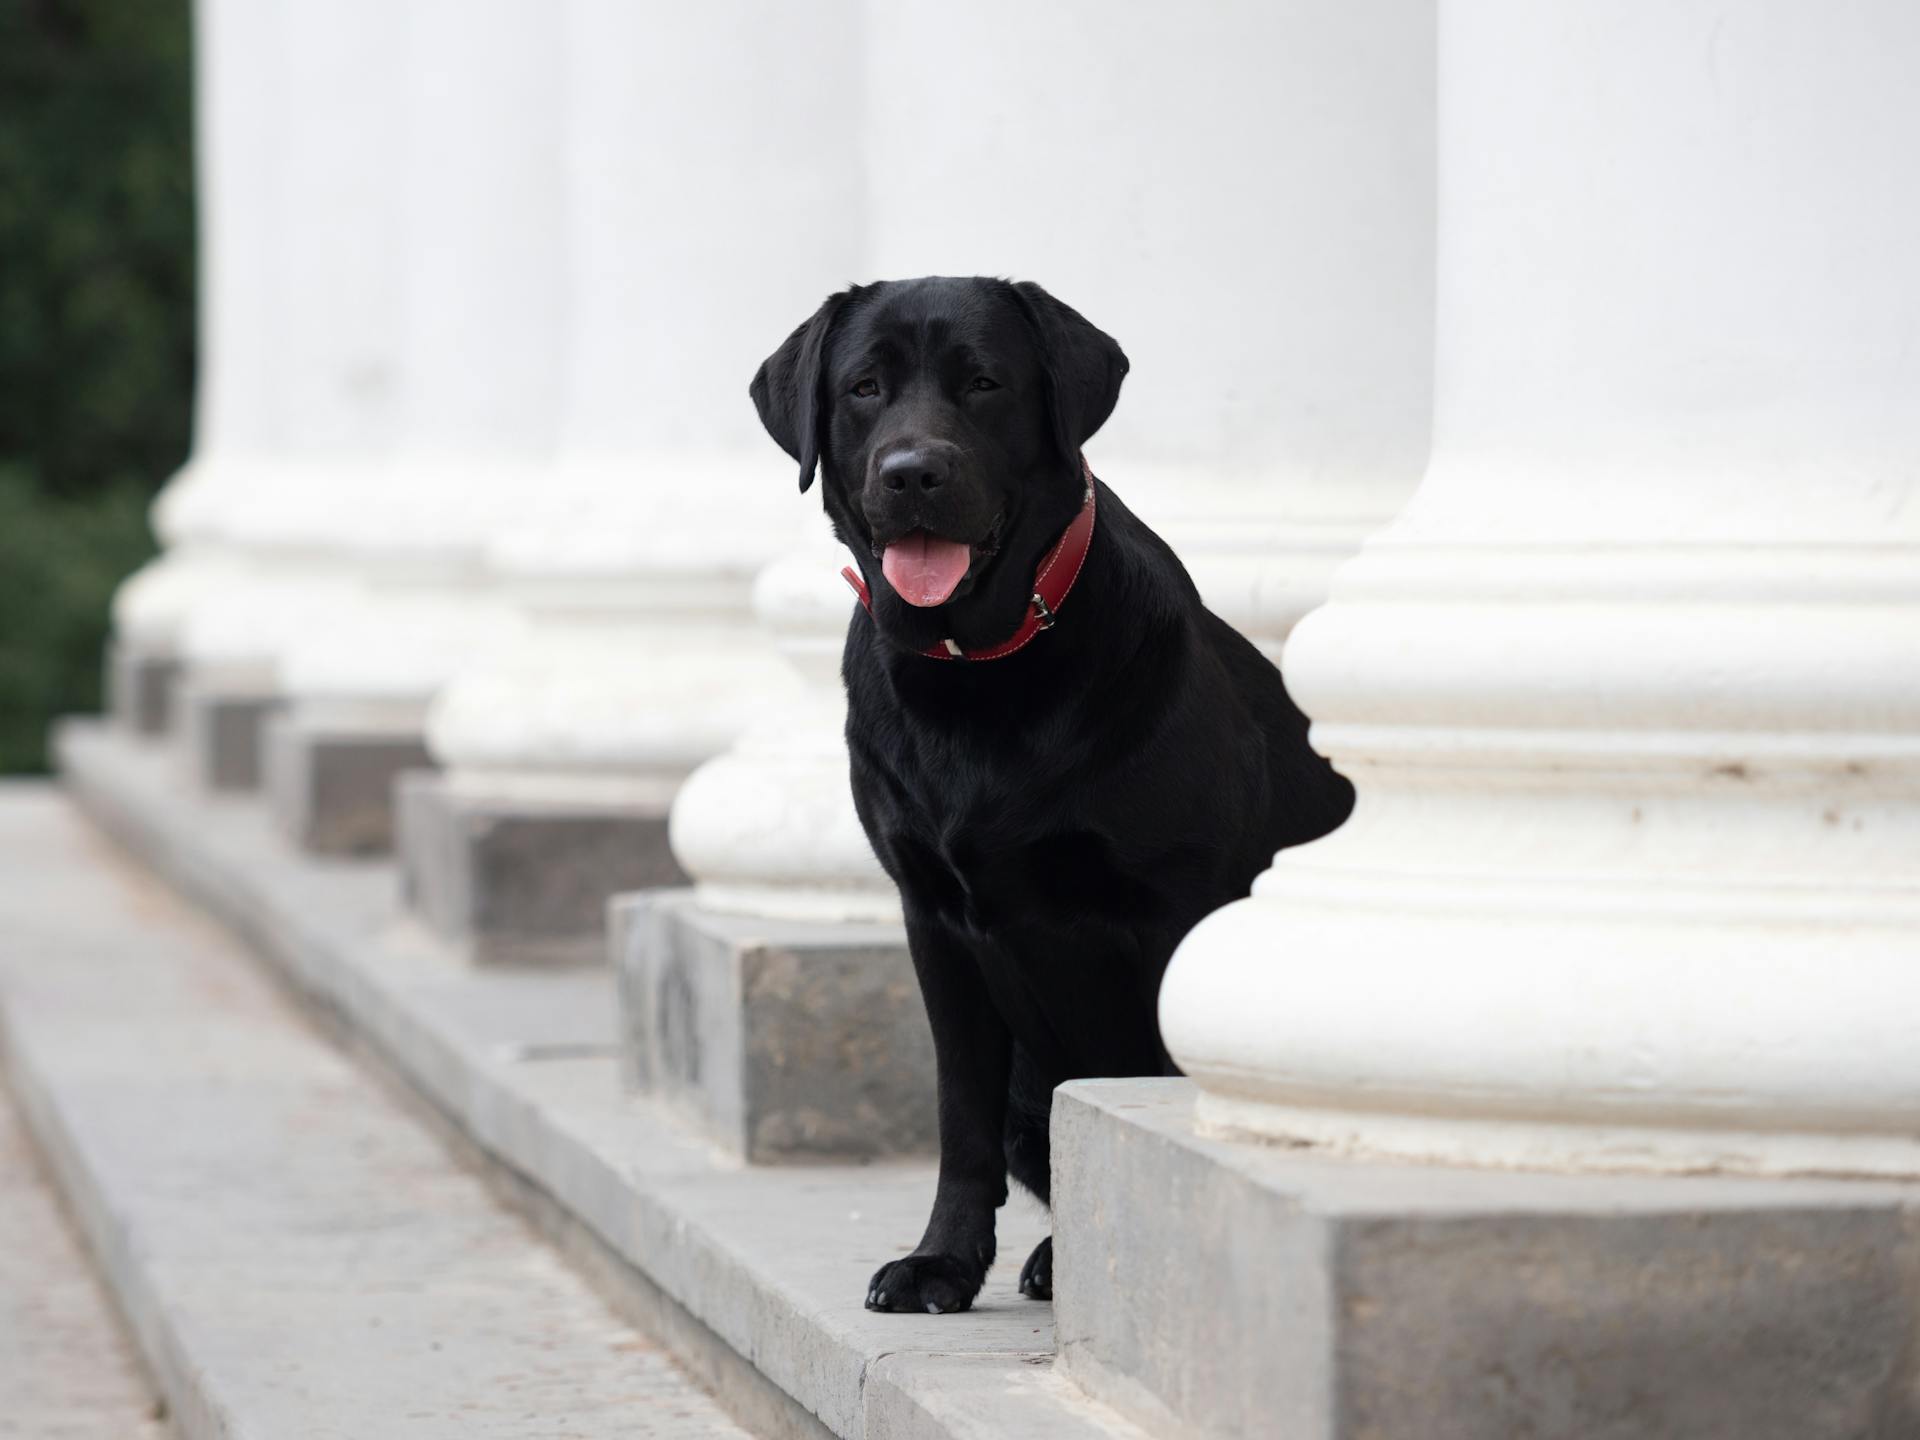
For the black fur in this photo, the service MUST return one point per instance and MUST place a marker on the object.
(1056, 820)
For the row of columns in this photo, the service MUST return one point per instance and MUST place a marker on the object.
(1628, 690)
(480, 296)
(475, 462)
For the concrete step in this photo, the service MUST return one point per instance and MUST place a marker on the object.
(296, 1254)
(756, 1274)
(67, 1371)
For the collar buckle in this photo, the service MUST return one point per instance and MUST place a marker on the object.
(1044, 611)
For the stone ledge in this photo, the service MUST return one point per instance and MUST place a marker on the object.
(1222, 1289)
(772, 1261)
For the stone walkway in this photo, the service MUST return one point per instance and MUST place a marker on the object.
(300, 1258)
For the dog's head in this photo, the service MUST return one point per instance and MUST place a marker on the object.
(946, 417)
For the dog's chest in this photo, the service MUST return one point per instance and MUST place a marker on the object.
(987, 850)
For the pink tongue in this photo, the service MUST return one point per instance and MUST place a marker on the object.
(924, 569)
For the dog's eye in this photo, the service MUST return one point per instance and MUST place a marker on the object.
(867, 389)
(981, 382)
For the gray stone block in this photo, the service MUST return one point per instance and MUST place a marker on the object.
(784, 1040)
(331, 789)
(517, 880)
(1230, 1289)
(140, 689)
(221, 727)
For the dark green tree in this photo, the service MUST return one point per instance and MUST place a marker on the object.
(96, 329)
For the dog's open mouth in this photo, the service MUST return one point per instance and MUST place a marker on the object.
(927, 569)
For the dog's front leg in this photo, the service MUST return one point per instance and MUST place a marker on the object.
(972, 1055)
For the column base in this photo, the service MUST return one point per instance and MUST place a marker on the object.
(516, 879)
(785, 1040)
(1209, 1287)
(222, 728)
(140, 686)
(330, 787)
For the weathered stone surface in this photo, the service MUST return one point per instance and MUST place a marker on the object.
(1230, 1289)
(784, 1040)
(517, 880)
(297, 1255)
(222, 730)
(331, 788)
(771, 1261)
(140, 689)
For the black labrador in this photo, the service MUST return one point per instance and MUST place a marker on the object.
(1059, 812)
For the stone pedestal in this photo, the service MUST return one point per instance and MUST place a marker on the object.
(330, 778)
(775, 1004)
(785, 1040)
(1208, 1288)
(521, 875)
(140, 688)
(222, 728)
(357, 693)
(575, 746)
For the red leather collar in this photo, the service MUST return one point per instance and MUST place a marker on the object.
(1051, 585)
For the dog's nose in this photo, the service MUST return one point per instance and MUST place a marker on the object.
(928, 469)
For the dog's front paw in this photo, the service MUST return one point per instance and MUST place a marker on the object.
(1036, 1276)
(937, 1284)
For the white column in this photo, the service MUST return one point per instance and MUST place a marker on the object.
(332, 302)
(236, 115)
(1242, 194)
(1632, 692)
(696, 214)
(703, 215)
(481, 318)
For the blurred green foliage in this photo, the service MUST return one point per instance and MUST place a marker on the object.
(96, 329)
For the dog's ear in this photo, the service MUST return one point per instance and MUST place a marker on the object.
(786, 388)
(1084, 367)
